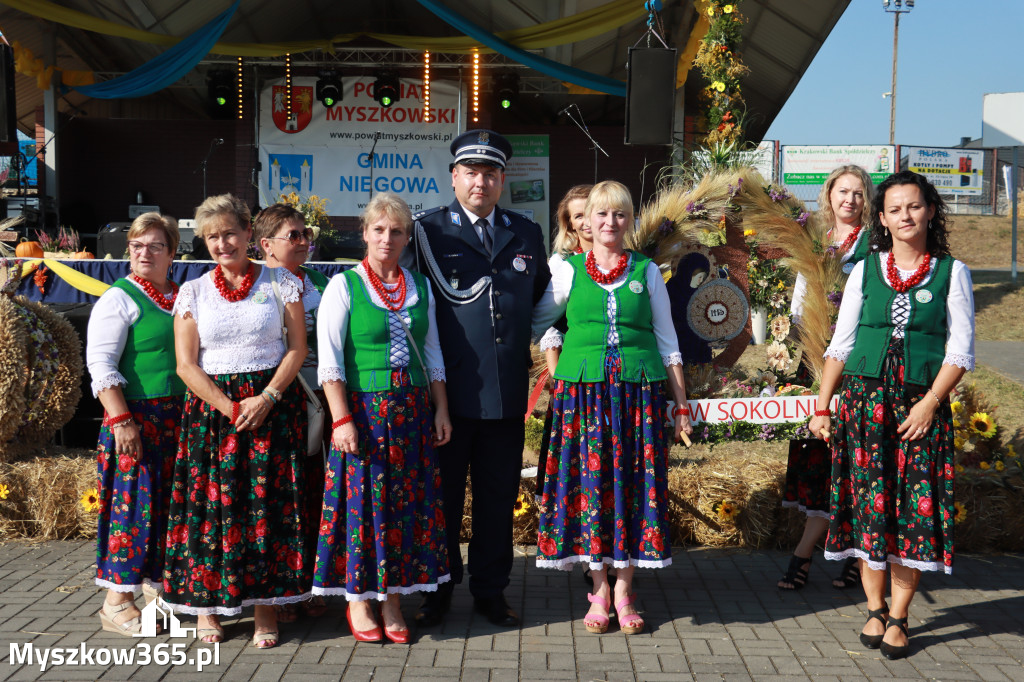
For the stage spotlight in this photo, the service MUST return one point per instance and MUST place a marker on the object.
(328, 89)
(220, 93)
(506, 90)
(387, 89)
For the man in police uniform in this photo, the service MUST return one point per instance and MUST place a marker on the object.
(487, 267)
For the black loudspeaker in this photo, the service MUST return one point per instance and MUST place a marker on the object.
(650, 95)
(8, 114)
(113, 239)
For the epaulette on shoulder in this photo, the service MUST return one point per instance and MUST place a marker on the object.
(519, 215)
(426, 212)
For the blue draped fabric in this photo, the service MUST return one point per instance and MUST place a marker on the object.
(547, 66)
(168, 68)
(60, 292)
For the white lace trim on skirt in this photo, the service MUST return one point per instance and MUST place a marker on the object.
(567, 563)
(891, 559)
(235, 610)
(381, 596)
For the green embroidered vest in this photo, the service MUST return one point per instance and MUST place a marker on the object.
(585, 347)
(924, 340)
(368, 339)
(148, 362)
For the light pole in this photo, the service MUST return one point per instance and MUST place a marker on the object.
(895, 8)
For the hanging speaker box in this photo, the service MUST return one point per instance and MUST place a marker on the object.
(650, 95)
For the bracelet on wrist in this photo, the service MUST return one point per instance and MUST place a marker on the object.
(936, 396)
(117, 419)
(341, 422)
(273, 392)
(130, 422)
(681, 410)
(823, 413)
(267, 399)
(235, 409)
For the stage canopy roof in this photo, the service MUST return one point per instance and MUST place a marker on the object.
(111, 37)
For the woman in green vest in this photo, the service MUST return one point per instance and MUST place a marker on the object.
(382, 532)
(844, 203)
(285, 241)
(605, 496)
(904, 338)
(130, 353)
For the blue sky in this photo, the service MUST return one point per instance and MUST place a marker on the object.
(951, 52)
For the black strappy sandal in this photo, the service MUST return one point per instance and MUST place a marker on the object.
(850, 575)
(874, 641)
(796, 575)
(894, 652)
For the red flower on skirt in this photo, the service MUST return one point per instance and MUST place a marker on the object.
(581, 502)
(394, 537)
(212, 492)
(901, 461)
(878, 414)
(861, 457)
(546, 545)
(113, 544)
(229, 445)
(396, 456)
(595, 545)
(879, 502)
(295, 561)
(125, 463)
(594, 462)
(261, 528)
(383, 411)
(551, 466)
(211, 580)
(179, 535)
(924, 506)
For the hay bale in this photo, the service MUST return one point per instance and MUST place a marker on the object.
(44, 495)
(994, 514)
(753, 484)
(524, 525)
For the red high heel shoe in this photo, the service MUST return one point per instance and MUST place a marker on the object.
(362, 635)
(396, 636)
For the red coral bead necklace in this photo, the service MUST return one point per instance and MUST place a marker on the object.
(243, 289)
(393, 300)
(165, 302)
(904, 285)
(850, 240)
(613, 275)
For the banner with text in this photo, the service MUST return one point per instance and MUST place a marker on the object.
(528, 180)
(327, 151)
(768, 410)
(952, 171)
(806, 167)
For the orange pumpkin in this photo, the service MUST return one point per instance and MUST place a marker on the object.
(27, 249)
(80, 255)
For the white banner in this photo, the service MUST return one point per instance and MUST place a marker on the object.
(528, 180)
(952, 171)
(783, 410)
(327, 151)
(805, 168)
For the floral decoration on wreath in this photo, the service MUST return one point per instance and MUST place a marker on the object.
(720, 64)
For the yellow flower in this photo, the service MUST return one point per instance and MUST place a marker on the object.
(983, 425)
(958, 443)
(999, 465)
(521, 506)
(727, 9)
(719, 85)
(956, 406)
(961, 512)
(959, 468)
(1010, 452)
(749, 233)
(725, 509)
(984, 465)
(91, 500)
(4, 491)
(711, 11)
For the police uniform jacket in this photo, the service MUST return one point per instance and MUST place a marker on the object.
(486, 341)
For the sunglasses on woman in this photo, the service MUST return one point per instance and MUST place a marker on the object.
(296, 236)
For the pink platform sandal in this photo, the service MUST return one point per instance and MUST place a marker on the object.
(631, 624)
(594, 622)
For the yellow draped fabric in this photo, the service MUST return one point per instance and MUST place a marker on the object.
(700, 29)
(562, 31)
(27, 64)
(78, 280)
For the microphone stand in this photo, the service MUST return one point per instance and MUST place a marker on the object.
(581, 124)
(214, 143)
(376, 136)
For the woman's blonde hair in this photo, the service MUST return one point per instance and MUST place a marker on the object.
(389, 204)
(220, 205)
(828, 216)
(147, 221)
(566, 239)
(610, 194)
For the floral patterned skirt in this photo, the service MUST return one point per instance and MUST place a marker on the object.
(134, 496)
(605, 497)
(382, 529)
(808, 477)
(236, 523)
(892, 500)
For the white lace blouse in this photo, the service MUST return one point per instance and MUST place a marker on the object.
(555, 299)
(552, 337)
(959, 314)
(796, 307)
(109, 323)
(332, 327)
(238, 337)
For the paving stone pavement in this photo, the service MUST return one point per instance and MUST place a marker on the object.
(715, 614)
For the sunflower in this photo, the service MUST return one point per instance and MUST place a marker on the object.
(958, 443)
(999, 465)
(961, 512)
(521, 506)
(4, 491)
(727, 9)
(983, 425)
(749, 233)
(711, 11)
(725, 509)
(984, 466)
(91, 500)
(956, 406)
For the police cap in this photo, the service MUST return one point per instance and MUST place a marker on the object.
(481, 147)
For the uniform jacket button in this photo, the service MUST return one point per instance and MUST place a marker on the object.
(497, 316)
(494, 271)
(497, 340)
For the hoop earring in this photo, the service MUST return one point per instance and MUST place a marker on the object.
(929, 224)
